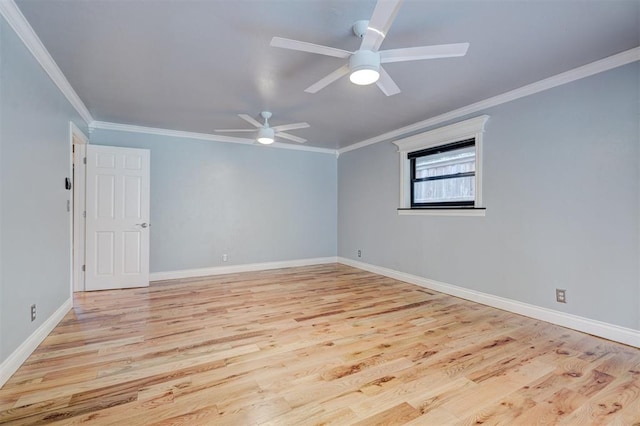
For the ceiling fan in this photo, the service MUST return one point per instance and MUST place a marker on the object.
(266, 134)
(364, 64)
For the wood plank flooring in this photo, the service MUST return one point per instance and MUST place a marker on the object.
(324, 344)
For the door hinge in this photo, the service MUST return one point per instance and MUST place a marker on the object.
(84, 268)
(84, 160)
(84, 213)
(68, 205)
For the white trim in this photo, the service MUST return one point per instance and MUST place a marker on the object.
(20, 355)
(14, 17)
(471, 128)
(613, 332)
(103, 125)
(606, 64)
(79, 221)
(233, 269)
(201, 136)
(442, 212)
(77, 171)
(304, 148)
(75, 130)
(442, 135)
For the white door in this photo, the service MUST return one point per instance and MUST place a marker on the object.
(117, 223)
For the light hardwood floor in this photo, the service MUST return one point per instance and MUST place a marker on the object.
(324, 344)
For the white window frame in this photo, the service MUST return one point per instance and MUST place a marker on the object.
(467, 129)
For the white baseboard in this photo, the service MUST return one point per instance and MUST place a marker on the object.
(233, 269)
(20, 355)
(613, 332)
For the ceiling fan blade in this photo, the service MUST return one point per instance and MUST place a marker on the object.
(234, 130)
(386, 84)
(303, 46)
(383, 15)
(343, 70)
(250, 119)
(290, 127)
(290, 137)
(423, 52)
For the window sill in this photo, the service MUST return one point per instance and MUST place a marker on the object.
(442, 211)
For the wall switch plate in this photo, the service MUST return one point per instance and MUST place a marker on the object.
(359, 253)
(561, 295)
(225, 257)
(33, 312)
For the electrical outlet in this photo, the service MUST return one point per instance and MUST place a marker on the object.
(33, 312)
(225, 257)
(561, 295)
(359, 253)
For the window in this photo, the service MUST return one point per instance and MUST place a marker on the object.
(444, 175)
(441, 170)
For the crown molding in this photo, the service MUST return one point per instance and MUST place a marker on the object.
(615, 61)
(14, 17)
(103, 125)
(304, 148)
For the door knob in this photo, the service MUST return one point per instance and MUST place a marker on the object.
(143, 225)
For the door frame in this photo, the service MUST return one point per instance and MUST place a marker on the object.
(78, 142)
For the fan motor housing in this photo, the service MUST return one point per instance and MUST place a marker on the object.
(266, 135)
(365, 62)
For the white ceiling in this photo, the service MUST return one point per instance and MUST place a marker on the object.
(194, 65)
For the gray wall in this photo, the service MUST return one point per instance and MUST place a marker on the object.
(34, 224)
(561, 187)
(255, 203)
